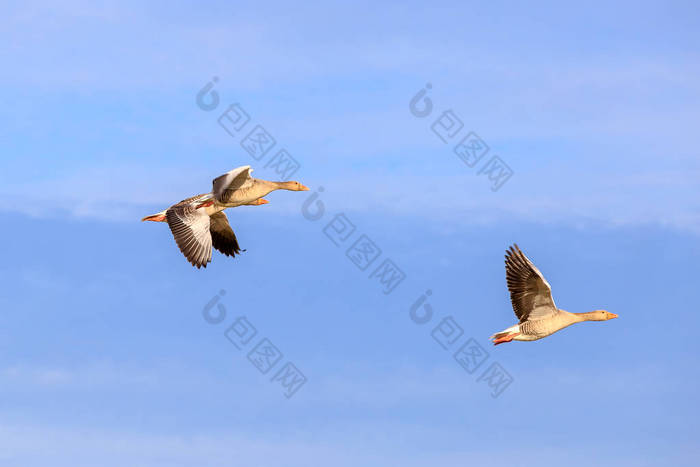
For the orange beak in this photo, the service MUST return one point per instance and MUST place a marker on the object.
(611, 315)
(303, 188)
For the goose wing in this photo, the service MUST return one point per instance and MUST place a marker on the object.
(530, 293)
(222, 235)
(231, 181)
(190, 227)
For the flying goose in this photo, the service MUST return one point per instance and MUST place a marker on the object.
(237, 187)
(198, 223)
(531, 296)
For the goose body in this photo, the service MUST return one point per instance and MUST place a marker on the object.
(199, 223)
(531, 297)
(237, 187)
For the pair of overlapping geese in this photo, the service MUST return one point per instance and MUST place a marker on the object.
(199, 223)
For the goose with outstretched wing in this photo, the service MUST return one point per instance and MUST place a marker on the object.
(199, 223)
(531, 297)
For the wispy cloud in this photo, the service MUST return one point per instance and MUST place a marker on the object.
(627, 119)
(667, 198)
(38, 446)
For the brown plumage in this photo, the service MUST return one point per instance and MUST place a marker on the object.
(530, 293)
(197, 226)
(531, 297)
(198, 223)
(190, 227)
(222, 236)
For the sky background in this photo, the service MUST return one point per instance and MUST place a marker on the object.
(105, 358)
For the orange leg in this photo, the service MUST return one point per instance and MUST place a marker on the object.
(507, 338)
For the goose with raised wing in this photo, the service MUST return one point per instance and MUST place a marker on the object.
(198, 223)
(531, 297)
(237, 187)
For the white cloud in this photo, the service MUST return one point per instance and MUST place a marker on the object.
(640, 106)
(356, 445)
(666, 198)
(97, 375)
(366, 436)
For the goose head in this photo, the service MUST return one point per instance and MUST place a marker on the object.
(293, 186)
(600, 315)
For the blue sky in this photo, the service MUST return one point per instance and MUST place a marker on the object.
(105, 357)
